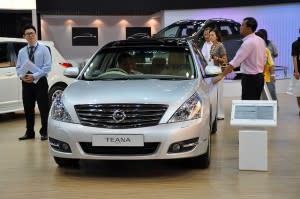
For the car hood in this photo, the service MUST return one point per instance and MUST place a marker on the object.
(130, 91)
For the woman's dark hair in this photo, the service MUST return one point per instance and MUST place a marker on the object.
(264, 31)
(218, 34)
(28, 26)
(251, 22)
(209, 29)
(261, 35)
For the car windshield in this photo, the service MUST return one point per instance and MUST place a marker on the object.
(180, 30)
(131, 63)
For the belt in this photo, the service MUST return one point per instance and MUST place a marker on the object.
(252, 75)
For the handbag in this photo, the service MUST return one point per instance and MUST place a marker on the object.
(294, 87)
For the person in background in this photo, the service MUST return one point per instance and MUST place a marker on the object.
(270, 45)
(218, 56)
(251, 57)
(127, 63)
(269, 67)
(207, 45)
(296, 63)
(274, 53)
(34, 82)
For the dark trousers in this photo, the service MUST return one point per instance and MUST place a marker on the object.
(36, 93)
(252, 86)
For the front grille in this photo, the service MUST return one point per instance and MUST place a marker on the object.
(147, 149)
(120, 116)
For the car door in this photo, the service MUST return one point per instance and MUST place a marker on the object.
(9, 82)
(15, 47)
(206, 83)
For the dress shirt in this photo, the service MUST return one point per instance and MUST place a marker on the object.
(206, 50)
(251, 56)
(42, 59)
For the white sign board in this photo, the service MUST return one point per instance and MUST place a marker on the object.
(254, 113)
(18, 4)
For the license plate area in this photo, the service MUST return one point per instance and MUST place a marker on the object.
(118, 140)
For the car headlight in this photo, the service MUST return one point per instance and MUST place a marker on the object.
(189, 110)
(59, 111)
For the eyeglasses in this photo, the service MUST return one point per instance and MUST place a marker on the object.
(29, 34)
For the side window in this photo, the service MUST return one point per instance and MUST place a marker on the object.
(172, 32)
(14, 51)
(18, 46)
(229, 29)
(211, 25)
(225, 30)
(4, 56)
(235, 27)
(188, 30)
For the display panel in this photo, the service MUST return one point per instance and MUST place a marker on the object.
(254, 113)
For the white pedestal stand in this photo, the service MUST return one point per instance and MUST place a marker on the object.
(253, 150)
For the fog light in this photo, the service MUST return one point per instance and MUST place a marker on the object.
(65, 147)
(183, 146)
(176, 147)
(60, 145)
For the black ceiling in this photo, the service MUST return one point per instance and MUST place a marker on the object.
(137, 7)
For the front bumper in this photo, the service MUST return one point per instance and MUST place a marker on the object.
(159, 137)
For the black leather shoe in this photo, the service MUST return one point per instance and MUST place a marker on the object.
(26, 137)
(44, 137)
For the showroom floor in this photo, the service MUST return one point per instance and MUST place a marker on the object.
(27, 170)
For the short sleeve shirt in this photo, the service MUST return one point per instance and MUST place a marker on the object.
(217, 50)
(296, 51)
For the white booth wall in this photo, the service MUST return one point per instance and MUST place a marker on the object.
(110, 28)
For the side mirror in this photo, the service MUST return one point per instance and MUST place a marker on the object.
(211, 70)
(71, 72)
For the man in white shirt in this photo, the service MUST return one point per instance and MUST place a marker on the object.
(206, 46)
(36, 59)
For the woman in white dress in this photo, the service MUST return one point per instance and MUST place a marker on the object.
(218, 56)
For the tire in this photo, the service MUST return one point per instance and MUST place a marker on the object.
(201, 161)
(66, 162)
(55, 91)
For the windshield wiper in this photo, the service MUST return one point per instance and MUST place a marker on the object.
(172, 78)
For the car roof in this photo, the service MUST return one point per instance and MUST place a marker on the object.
(189, 21)
(198, 26)
(147, 42)
(202, 21)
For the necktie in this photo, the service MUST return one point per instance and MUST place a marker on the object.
(31, 54)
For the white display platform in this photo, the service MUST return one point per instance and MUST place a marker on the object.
(253, 150)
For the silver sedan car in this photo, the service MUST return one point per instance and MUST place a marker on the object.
(137, 100)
